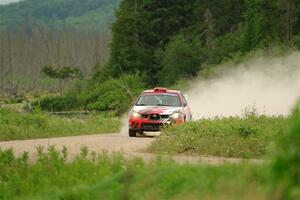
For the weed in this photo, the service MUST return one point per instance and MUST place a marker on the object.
(113, 177)
(246, 137)
(15, 125)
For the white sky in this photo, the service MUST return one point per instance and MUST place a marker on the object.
(7, 1)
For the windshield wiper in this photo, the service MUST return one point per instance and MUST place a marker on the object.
(163, 105)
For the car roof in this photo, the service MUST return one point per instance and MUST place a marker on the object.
(161, 90)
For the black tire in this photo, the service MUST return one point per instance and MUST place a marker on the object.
(132, 133)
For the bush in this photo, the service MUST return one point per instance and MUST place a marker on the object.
(111, 95)
(59, 103)
(285, 167)
(114, 94)
(246, 137)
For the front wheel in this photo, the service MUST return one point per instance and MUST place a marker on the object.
(132, 133)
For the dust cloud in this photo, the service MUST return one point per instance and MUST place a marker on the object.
(272, 85)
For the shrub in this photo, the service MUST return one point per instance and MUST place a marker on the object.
(111, 95)
(114, 94)
(246, 137)
(285, 167)
(59, 103)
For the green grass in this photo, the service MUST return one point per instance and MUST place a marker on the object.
(246, 137)
(105, 177)
(15, 125)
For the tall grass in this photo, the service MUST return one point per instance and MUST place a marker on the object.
(105, 177)
(246, 137)
(15, 125)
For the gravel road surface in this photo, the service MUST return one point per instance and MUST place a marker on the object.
(130, 147)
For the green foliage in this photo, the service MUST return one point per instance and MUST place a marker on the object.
(112, 177)
(111, 95)
(58, 13)
(15, 125)
(169, 40)
(246, 137)
(66, 103)
(180, 57)
(138, 36)
(114, 94)
(285, 167)
(63, 73)
(252, 29)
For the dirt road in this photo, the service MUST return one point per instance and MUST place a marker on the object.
(130, 147)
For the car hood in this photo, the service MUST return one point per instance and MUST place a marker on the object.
(162, 110)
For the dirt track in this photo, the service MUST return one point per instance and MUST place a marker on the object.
(130, 147)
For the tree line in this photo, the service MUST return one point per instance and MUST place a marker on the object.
(157, 42)
(88, 13)
(171, 39)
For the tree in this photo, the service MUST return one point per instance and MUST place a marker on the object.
(252, 25)
(181, 58)
(288, 10)
(61, 74)
(210, 29)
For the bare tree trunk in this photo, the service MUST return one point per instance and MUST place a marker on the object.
(10, 65)
(289, 20)
(2, 64)
(210, 29)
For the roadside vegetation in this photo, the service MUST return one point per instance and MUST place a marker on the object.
(248, 136)
(97, 176)
(115, 95)
(112, 177)
(15, 125)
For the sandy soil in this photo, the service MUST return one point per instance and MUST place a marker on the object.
(130, 147)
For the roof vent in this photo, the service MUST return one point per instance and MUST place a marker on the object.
(160, 89)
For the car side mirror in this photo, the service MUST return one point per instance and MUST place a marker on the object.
(186, 100)
(186, 97)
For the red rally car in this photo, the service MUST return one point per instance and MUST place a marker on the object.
(156, 108)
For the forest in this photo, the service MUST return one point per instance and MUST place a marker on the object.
(35, 34)
(150, 43)
(165, 42)
(168, 40)
(58, 13)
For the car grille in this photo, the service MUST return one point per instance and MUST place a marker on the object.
(154, 116)
(165, 116)
(151, 127)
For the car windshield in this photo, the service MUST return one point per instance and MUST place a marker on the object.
(159, 100)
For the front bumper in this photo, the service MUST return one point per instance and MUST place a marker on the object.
(141, 125)
(147, 126)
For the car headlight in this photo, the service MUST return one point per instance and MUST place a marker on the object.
(135, 114)
(175, 115)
